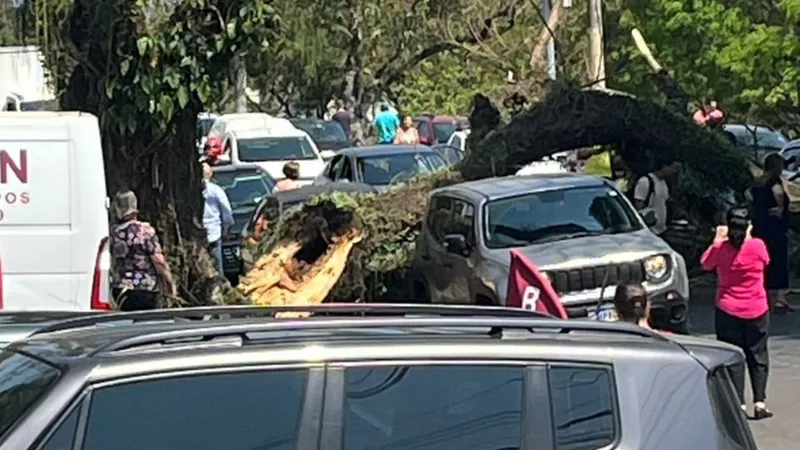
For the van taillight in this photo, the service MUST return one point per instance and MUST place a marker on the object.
(100, 291)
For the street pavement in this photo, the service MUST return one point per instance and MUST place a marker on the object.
(781, 432)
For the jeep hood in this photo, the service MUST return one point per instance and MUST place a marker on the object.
(590, 250)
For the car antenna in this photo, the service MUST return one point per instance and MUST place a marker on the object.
(603, 289)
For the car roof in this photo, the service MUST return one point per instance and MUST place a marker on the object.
(747, 128)
(512, 186)
(15, 325)
(380, 150)
(131, 344)
(304, 193)
(237, 167)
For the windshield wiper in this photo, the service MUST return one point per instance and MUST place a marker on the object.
(564, 236)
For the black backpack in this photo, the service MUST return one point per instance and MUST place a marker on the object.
(651, 187)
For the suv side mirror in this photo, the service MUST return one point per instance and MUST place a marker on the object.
(456, 244)
(650, 218)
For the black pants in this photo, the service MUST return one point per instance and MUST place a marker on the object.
(133, 300)
(751, 336)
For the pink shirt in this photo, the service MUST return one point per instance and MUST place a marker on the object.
(740, 276)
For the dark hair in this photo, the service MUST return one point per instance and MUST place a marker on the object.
(663, 161)
(738, 221)
(631, 301)
(291, 170)
(385, 107)
(773, 161)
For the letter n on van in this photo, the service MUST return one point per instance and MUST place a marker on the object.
(16, 163)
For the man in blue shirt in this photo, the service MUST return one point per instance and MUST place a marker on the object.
(387, 123)
(217, 216)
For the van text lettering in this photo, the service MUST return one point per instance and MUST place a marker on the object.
(16, 163)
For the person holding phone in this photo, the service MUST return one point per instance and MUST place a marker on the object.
(742, 308)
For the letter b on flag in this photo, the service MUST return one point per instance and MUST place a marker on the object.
(530, 297)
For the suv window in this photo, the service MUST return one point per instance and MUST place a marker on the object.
(583, 407)
(347, 170)
(275, 149)
(434, 407)
(439, 215)
(232, 411)
(463, 222)
(556, 215)
(64, 436)
(23, 381)
(244, 187)
(727, 411)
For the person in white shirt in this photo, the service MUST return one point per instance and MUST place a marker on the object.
(651, 192)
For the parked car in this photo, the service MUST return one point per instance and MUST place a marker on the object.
(580, 231)
(228, 123)
(327, 134)
(791, 153)
(245, 186)
(453, 155)
(755, 140)
(459, 140)
(365, 376)
(381, 165)
(54, 201)
(436, 129)
(274, 146)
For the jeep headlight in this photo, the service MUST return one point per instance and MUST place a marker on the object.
(657, 268)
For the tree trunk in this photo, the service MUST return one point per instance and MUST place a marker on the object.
(239, 75)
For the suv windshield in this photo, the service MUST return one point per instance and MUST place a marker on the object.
(275, 149)
(244, 187)
(385, 169)
(23, 381)
(556, 215)
(323, 131)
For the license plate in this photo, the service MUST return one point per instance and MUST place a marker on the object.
(605, 313)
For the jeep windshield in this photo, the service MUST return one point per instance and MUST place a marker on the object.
(557, 215)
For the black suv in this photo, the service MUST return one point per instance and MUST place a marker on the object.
(364, 377)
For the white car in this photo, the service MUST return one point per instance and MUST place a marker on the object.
(459, 140)
(271, 148)
(228, 123)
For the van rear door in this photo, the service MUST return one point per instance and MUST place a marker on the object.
(35, 211)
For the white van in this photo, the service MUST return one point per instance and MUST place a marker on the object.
(272, 147)
(53, 212)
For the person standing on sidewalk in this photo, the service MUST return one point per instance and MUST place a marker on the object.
(138, 265)
(217, 216)
(742, 309)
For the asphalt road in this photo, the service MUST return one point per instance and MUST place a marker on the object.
(781, 432)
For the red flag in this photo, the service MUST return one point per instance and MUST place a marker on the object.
(529, 289)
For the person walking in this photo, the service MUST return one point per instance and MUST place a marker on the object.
(291, 170)
(139, 269)
(742, 310)
(217, 216)
(407, 134)
(770, 209)
(343, 117)
(386, 124)
(651, 192)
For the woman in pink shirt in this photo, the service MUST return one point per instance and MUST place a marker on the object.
(742, 313)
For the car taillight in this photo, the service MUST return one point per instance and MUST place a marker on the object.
(100, 292)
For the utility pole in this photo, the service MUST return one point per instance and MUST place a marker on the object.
(551, 43)
(597, 59)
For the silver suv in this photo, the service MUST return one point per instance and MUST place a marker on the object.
(580, 230)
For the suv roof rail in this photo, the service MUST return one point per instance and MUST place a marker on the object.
(325, 309)
(496, 325)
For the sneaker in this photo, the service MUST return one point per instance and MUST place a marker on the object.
(761, 413)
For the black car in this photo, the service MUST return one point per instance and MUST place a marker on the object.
(365, 376)
(381, 165)
(245, 186)
(326, 134)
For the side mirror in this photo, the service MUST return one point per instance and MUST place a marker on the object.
(650, 218)
(456, 244)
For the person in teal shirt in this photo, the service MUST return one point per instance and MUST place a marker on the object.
(387, 123)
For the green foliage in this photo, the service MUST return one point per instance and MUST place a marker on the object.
(446, 84)
(743, 54)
